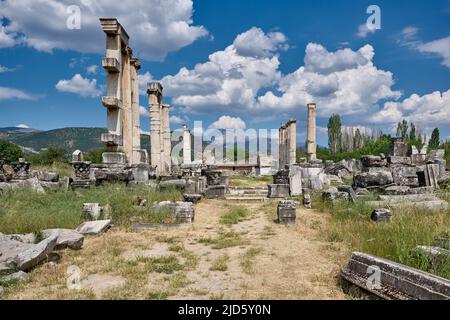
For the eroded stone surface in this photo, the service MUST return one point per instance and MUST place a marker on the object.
(94, 227)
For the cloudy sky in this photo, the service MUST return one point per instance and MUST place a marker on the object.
(238, 64)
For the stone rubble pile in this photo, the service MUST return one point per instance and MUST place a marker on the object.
(21, 176)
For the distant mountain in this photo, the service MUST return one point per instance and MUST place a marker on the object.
(84, 139)
(18, 129)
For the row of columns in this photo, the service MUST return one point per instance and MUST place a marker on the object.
(122, 97)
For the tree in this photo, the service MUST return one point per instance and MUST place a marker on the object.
(358, 141)
(435, 141)
(9, 151)
(334, 133)
(402, 130)
(412, 133)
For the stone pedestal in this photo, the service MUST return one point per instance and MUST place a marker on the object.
(286, 212)
(81, 174)
(216, 192)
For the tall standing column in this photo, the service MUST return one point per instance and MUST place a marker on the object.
(311, 133)
(292, 141)
(165, 131)
(154, 91)
(280, 148)
(137, 152)
(127, 121)
(116, 41)
(186, 145)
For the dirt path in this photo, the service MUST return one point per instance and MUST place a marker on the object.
(254, 259)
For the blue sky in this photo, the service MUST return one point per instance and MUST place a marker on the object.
(254, 77)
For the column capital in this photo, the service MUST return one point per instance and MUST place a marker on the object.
(154, 88)
(136, 63)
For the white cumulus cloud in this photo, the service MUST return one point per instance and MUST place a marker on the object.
(227, 122)
(11, 93)
(230, 78)
(427, 111)
(92, 69)
(156, 27)
(79, 85)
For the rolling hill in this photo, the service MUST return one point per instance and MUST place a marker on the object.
(84, 139)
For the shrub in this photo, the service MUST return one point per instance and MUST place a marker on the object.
(9, 151)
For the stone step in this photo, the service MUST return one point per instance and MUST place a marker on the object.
(249, 188)
(246, 198)
(249, 192)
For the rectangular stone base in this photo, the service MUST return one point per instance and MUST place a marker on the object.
(278, 190)
(286, 212)
(114, 158)
(215, 192)
(393, 281)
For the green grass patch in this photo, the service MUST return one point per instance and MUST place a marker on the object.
(394, 240)
(220, 263)
(241, 181)
(234, 215)
(224, 240)
(158, 295)
(248, 259)
(23, 211)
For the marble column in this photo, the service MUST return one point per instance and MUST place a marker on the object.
(127, 119)
(311, 132)
(154, 91)
(166, 141)
(186, 145)
(137, 156)
(292, 142)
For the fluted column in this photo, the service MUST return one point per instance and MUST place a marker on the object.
(165, 131)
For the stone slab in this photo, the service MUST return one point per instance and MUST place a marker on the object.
(94, 227)
(396, 281)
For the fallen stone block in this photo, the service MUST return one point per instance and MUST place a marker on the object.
(94, 227)
(286, 212)
(407, 198)
(436, 255)
(381, 215)
(67, 238)
(183, 212)
(373, 161)
(31, 257)
(405, 176)
(369, 179)
(179, 184)
(334, 195)
(433, 205)
(48, 176)
(216, 192)
(393, 281)
(18, 276)
(93, 211)
(397, 190)
(349, 190)
(194, 198)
